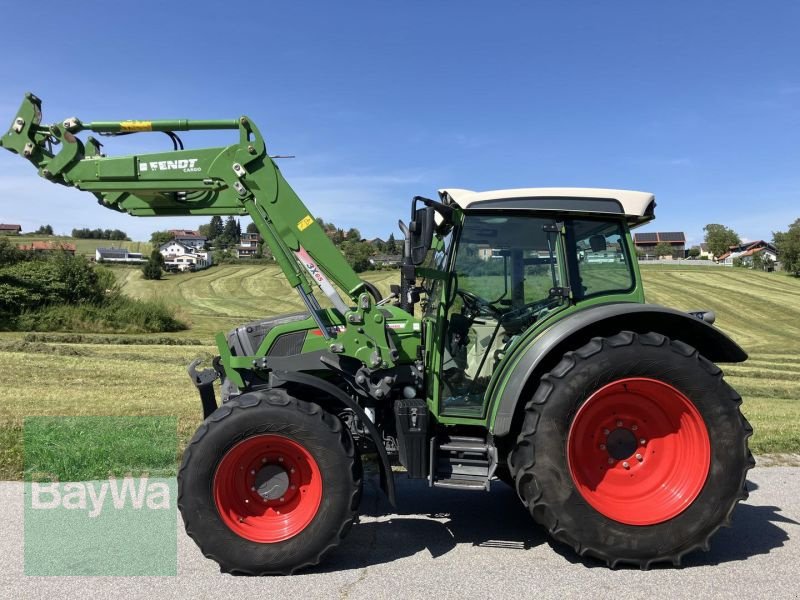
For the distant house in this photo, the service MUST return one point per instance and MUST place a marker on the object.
(118, 255)
(48, 247)
(189, 237)
(746, 251)
(10, 229)
(248, 245)
(386, 260)
(705, 252)
(646, 242)
(179, 256)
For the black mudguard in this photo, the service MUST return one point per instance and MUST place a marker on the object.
(577, 329)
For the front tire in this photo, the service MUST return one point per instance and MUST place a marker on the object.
(633, 450)
(269, 484)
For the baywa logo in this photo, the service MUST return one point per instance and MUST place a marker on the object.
(187, 165)
(95, 496)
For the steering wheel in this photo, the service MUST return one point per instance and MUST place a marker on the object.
(476, 306)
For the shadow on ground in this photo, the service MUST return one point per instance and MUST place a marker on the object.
(435, 521)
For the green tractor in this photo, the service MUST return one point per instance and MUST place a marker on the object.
(532, 359)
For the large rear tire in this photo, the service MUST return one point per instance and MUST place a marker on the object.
(269, 484)
(633, 450)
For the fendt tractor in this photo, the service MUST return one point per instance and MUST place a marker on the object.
(532, 359)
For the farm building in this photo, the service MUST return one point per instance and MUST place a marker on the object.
(386, 260)
(48, 247)
(649, 240)
(118, 255)
(10, 229)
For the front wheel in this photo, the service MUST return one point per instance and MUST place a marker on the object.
(269, 484)
(633, 450)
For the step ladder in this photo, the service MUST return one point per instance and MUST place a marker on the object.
(462, 463)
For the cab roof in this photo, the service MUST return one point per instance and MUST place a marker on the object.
(638, 207)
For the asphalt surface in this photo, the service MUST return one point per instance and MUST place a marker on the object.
(454, 544)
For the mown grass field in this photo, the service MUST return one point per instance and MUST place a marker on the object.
(759, 310)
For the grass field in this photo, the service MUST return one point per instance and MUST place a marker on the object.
(759, 310)
(85, 247)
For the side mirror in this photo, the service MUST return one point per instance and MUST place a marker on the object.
(421, 232)
(598, 243)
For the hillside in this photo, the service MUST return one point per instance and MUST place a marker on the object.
(761, 311)
(83, 246)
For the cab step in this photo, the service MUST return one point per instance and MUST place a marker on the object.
(461, 462)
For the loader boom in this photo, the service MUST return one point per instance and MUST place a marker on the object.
(238, 179)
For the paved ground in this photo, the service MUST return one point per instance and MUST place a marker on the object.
(449, 544)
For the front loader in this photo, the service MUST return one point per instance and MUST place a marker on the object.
(532, 359)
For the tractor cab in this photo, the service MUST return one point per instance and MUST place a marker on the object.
(504, 263)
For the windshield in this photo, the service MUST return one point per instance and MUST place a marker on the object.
(508, 262)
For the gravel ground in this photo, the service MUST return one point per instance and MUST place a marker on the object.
(454, 544)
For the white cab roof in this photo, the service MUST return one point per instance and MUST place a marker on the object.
(638, 206)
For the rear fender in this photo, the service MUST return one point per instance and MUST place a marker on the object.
(574, 331)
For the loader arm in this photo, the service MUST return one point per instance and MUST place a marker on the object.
(238, 179)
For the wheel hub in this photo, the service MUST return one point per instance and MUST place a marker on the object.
(621, 443)
(272, 482)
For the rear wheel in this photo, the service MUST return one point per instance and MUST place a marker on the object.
(633, 450)
(269, 484)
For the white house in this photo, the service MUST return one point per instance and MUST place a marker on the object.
(180, 256)
(189, 238)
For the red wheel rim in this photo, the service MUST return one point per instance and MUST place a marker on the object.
(638, 451)
(267, 488)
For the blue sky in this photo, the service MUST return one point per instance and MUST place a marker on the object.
(698, 102)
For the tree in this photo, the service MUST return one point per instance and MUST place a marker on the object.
(788, 245)
(663, 249)
(353, 235)
(152, 268)
(229, 235)
(391, 245)
(720, 238)
(358, 255)
(157, 238)
(251, 228)
(215, 227)
(45, 230)
(694, 251)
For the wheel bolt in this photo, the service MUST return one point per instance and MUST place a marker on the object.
(282, 499)
(606, 432)
(292, 470)
(619, 423)
(642, 441)
(292, 487)
(634, 427)
(626, 465)
(639, 457)
(611, 461)
(263, 460)
(252, 471)
(246, 501)
(280, 459)
(252, 488)
(602, 446)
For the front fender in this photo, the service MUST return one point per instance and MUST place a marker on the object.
(574, 331)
